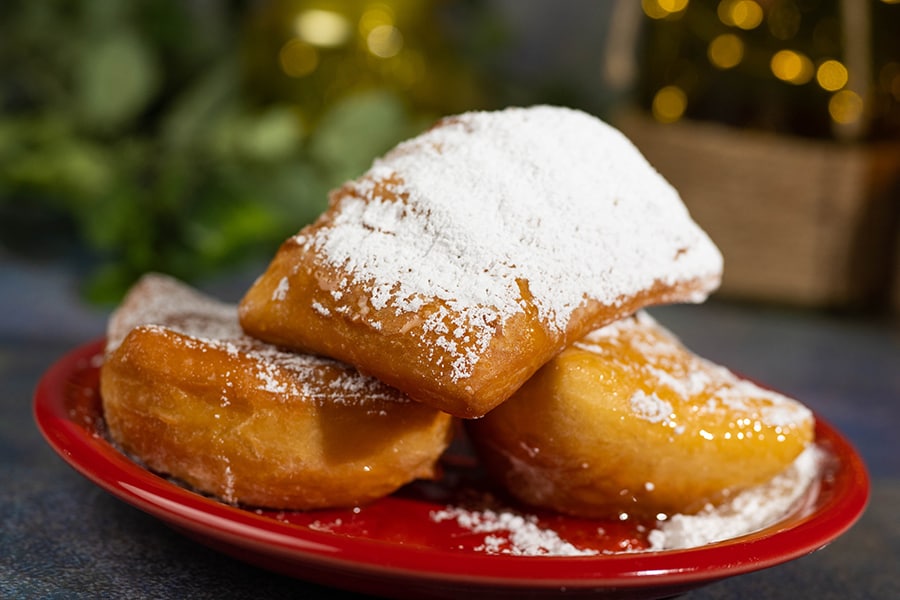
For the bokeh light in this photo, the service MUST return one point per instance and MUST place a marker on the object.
(744, 14)
(669, 104)
(832, 75)
(792, 66)
(297, 58)
(845, 107)
(384, 41)
(661, 9)
(373, 17)
(726, 51)
(324, 28)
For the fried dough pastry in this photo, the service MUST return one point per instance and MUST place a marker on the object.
(628, 420)
(467, 257)
(189, 395)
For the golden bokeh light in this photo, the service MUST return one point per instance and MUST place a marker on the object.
(669, 104)
(832, 75)
(726, 51)
(792, 67)
(660, 9)
(384, 41)
(297, 58)
(374, 17)
(324, 28)
(845, 107)
(673, 6)
(745, 14)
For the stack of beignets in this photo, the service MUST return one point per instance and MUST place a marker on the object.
(190, 395)
(490, 248)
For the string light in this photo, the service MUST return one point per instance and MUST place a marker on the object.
(832, 75)
(375, 17)
(851, 88)
(673, 6)
(726, 51)
(669, 104)
(845, 107)
(792, 67)
(324, 28)
(384, 41)
(744, 14)
(662, 9)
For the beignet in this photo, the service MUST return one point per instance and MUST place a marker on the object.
(467, 257)
(628, 420)
(191, 396)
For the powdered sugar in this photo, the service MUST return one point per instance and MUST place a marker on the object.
(474, 211)
(681, 381)
(650, 407)
(747, 512)
(163, 303)
(281, 290)
(510, 532)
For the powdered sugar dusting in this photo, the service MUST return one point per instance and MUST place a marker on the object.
(747, 512)
(473, 210)
(650, 407)
(281, 290)
(681, 381)
(507, 530)
(161, 302)
(510, 532)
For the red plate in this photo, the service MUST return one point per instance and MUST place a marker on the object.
(395, 548)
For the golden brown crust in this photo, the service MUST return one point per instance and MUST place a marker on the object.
(292, 305)
(629, 421)
(469, 256)
(254, 425)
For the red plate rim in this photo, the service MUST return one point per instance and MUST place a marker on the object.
(199, 516)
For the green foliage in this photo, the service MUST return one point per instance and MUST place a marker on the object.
(125, 129)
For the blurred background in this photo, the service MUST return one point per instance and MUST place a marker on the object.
(194, 136)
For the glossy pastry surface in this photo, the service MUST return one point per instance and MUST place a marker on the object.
(192, 397)
(628, 421)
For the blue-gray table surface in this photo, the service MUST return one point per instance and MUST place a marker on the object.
(62, 537)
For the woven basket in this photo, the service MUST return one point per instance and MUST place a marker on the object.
(799, 221)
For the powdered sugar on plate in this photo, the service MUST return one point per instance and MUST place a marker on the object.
(749, 511)
(511, 531)
(545, 198)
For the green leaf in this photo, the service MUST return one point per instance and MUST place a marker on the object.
(196, 113)
(356, 130)
(72, 170)
(272, 135)
(116, 78)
